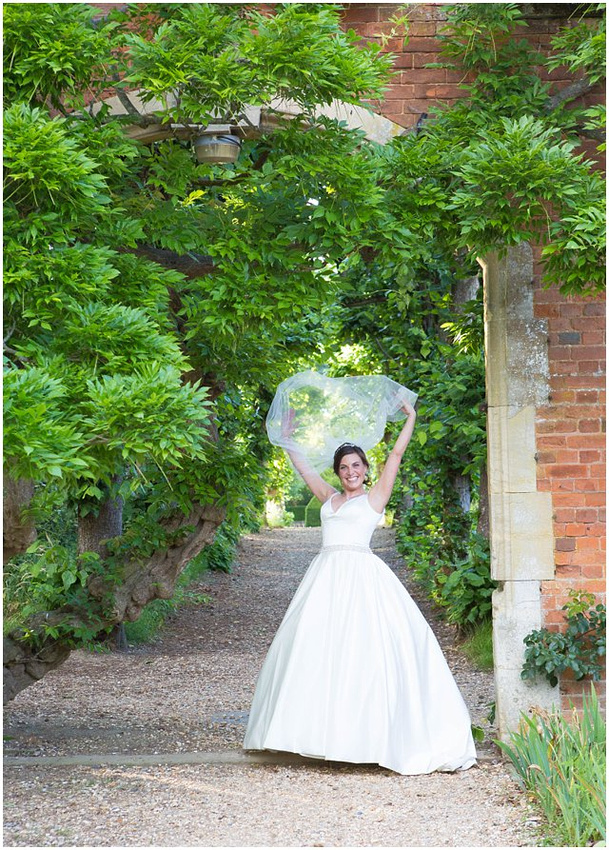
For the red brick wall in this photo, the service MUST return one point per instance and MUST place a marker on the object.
(571, 452)
(416, 88)
(106, 8)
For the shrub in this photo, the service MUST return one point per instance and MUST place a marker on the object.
(313, 513)
(580, 648)
(297, 511)
(466, 592)
(456, 576)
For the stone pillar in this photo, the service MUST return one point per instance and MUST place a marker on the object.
(521, 529)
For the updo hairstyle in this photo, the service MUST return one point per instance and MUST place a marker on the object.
(349, 449)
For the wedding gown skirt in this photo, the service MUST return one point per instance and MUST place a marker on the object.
(354, 672)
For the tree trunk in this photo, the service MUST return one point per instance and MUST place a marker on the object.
(19, 531)
(155, 579)
(23, 666)
(141, 582)
(95, 529)
(461, 484)
(466, 289)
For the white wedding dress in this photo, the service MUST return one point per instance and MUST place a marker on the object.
(354, 673)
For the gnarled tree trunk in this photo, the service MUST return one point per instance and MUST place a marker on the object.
(94, 531)
(96, 528)
(19, 532)
(23, 666)
(155, 578)
(142, 581)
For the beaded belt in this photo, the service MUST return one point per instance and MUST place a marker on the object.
(347, 547)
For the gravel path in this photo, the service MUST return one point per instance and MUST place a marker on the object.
(182, 703)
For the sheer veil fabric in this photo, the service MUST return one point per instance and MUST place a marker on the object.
(331, 411)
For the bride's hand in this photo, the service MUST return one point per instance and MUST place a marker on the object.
(288, 425)
(409, 409)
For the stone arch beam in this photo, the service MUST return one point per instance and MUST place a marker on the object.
(149, 127)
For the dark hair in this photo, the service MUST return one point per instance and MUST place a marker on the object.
(349, 449)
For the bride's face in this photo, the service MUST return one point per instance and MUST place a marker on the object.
(352, 472)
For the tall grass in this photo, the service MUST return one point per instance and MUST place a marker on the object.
(478, 647)
(562, 765)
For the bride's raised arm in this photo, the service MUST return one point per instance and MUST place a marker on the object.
(310, 476)
(381, 491)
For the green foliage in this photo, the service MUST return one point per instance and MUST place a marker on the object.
(110, 355)
(508, 176)
(490, 170)
(580, 648)
(450, 562)
(562, 765)
(146, 414)
(466, 592)
(465, 328)
(481, 36)
(479, 39)
(402, 320)
(93, 382)
(45, 590)
(576, 241)
(44, 166)
(511, 186)
(582, 47)
(53, 50)
(52, 578)
(223, 60)
(496, 168)
(37, 439)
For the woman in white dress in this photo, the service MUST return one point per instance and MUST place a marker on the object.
(354, 673)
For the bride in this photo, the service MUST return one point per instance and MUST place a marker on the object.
(354, 673)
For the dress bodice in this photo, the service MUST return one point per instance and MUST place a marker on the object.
(351, 524)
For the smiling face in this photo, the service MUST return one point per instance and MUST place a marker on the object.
(352, 472)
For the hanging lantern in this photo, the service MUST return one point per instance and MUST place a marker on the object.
(217, 148)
